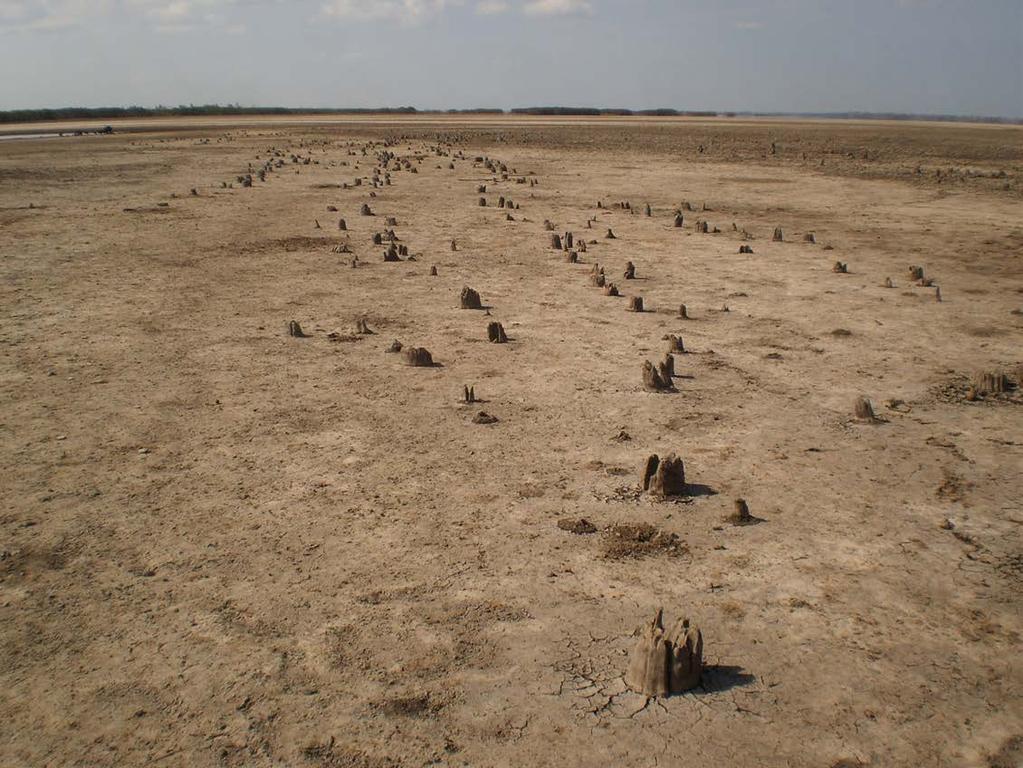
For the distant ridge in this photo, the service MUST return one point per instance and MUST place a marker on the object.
(99, 113)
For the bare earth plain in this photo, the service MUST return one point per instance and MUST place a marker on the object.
(221, 545)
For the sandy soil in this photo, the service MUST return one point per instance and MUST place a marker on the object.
(224, 546)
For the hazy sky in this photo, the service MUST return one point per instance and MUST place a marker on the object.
(926, 56)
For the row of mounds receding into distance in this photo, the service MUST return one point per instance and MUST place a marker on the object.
(663, 662)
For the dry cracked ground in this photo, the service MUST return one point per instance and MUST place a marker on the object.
(221, 545)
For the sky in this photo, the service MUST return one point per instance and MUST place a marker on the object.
(961, 57)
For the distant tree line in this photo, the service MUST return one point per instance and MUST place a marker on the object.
(193, 110)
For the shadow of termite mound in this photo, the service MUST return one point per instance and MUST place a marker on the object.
(721, 677)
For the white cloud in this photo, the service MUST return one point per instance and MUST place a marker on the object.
(404, 11)
(557, 7)
(491, 7)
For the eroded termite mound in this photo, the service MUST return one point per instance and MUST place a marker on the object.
(679, 220)
(417, 357)
(556, 242)
(361, 326)
(662, 664)
(433, 271)
(635, 303)
(365, 210)
(656, 378)
(610, 234)
(991, 383)
(745, 249)
(778, 236)
(295, 330)
(496, 334)
(741, 514)
(572, 257)
(611, 290)
(683, 312)
(469, 395)
(840, 268)
(630, 271)
(864, 409)
(470, 299)
(391, 254)
(809, 237)
(675, 343)
(664, 477)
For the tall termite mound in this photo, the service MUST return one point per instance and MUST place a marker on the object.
(417, 357)
(656, 378)
(470, 299)
(864, 409)
(496, 334)
(662, 664)
(664, 477)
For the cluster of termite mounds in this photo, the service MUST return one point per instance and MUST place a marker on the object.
(665, 663)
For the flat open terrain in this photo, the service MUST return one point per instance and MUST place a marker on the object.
(221, 545)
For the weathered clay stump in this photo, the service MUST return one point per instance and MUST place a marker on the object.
(361, 326)
(569, 241)
(469, 395)
(417, 357)
(394, 348)
(484, 418)
(611, 290)
(610, 235)
(496, 334)
(745, 249)
(679, 220)
(391, 254)
(556, 242)
(840, 268)
(683, 312)
(635, 303)
(809, 237)
(664, 477)
(365, 210)
(342, 225)
(662, 664)
(483, 202)
(572, 257)
(778, 236)
(295, 330)
(675, 344)
(433, 271)
(470, 299)
(916, 273)
(630, 271)
(582, 246)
